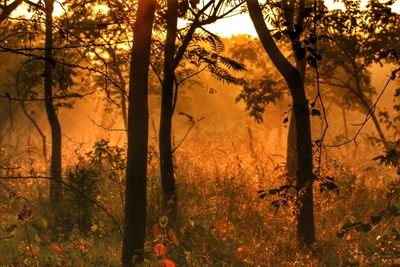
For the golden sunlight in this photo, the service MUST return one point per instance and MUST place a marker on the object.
(241, 24)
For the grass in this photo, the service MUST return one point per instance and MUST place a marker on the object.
(222, 221)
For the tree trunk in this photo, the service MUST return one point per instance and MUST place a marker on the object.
(304, 174)
(291, 155)
(346, 131)
(301, 65)
(367, 106)
(166, 160)
(138, 115)
(123, 97)
(7, 10)
(55, 164)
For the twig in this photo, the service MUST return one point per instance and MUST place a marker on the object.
(105, 128)
(370, 112)
(186, 135)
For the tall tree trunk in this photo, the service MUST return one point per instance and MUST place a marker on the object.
(301, 65)
(55, 164)
(166, 160)
(171, 62)
(304, 174)
(138, 121)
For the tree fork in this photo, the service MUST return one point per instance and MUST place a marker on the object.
(304, 173)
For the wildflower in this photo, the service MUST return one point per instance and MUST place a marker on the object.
(160, 250)
(56, 248)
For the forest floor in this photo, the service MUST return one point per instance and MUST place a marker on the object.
(224, 216)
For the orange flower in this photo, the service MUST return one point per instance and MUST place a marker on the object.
(35, 251)
(55, 248)
(160, 250)
(82, 248)
(240, 249)
(169, 263)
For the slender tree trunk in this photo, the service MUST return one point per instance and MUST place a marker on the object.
(301, 65)
(346, 131)
(291, 155)
(55, 164)
(138, 121)
(122, 83)
(166, 160)
(304, 174)
(367, 107)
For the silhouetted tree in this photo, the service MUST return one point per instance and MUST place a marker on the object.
(294, 79)
(135, 193)
(49, 64)
(199, 15)
(6, 10)
(352, 45)
(101, 35)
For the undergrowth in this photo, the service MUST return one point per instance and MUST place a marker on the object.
(222, 219)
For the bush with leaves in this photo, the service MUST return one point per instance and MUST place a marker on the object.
(385, 249)
(90, 180)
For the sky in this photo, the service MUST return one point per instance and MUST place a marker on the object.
(241, 24)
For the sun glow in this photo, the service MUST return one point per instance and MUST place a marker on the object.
(242, 24)
(235, 25)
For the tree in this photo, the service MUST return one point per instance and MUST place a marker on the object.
(294, 79)
(6, 10)
(49, 64)
(102, 38)
(136, 172)
(54, 72)
(208, 13)
(352, 46)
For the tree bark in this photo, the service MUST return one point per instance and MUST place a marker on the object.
(7, 10)
(55, 164)
(301, 65)
(138, 115)
(166, 160)
(304, 174)
(171, 62)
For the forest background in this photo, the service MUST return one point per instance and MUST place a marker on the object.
(230, 197)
